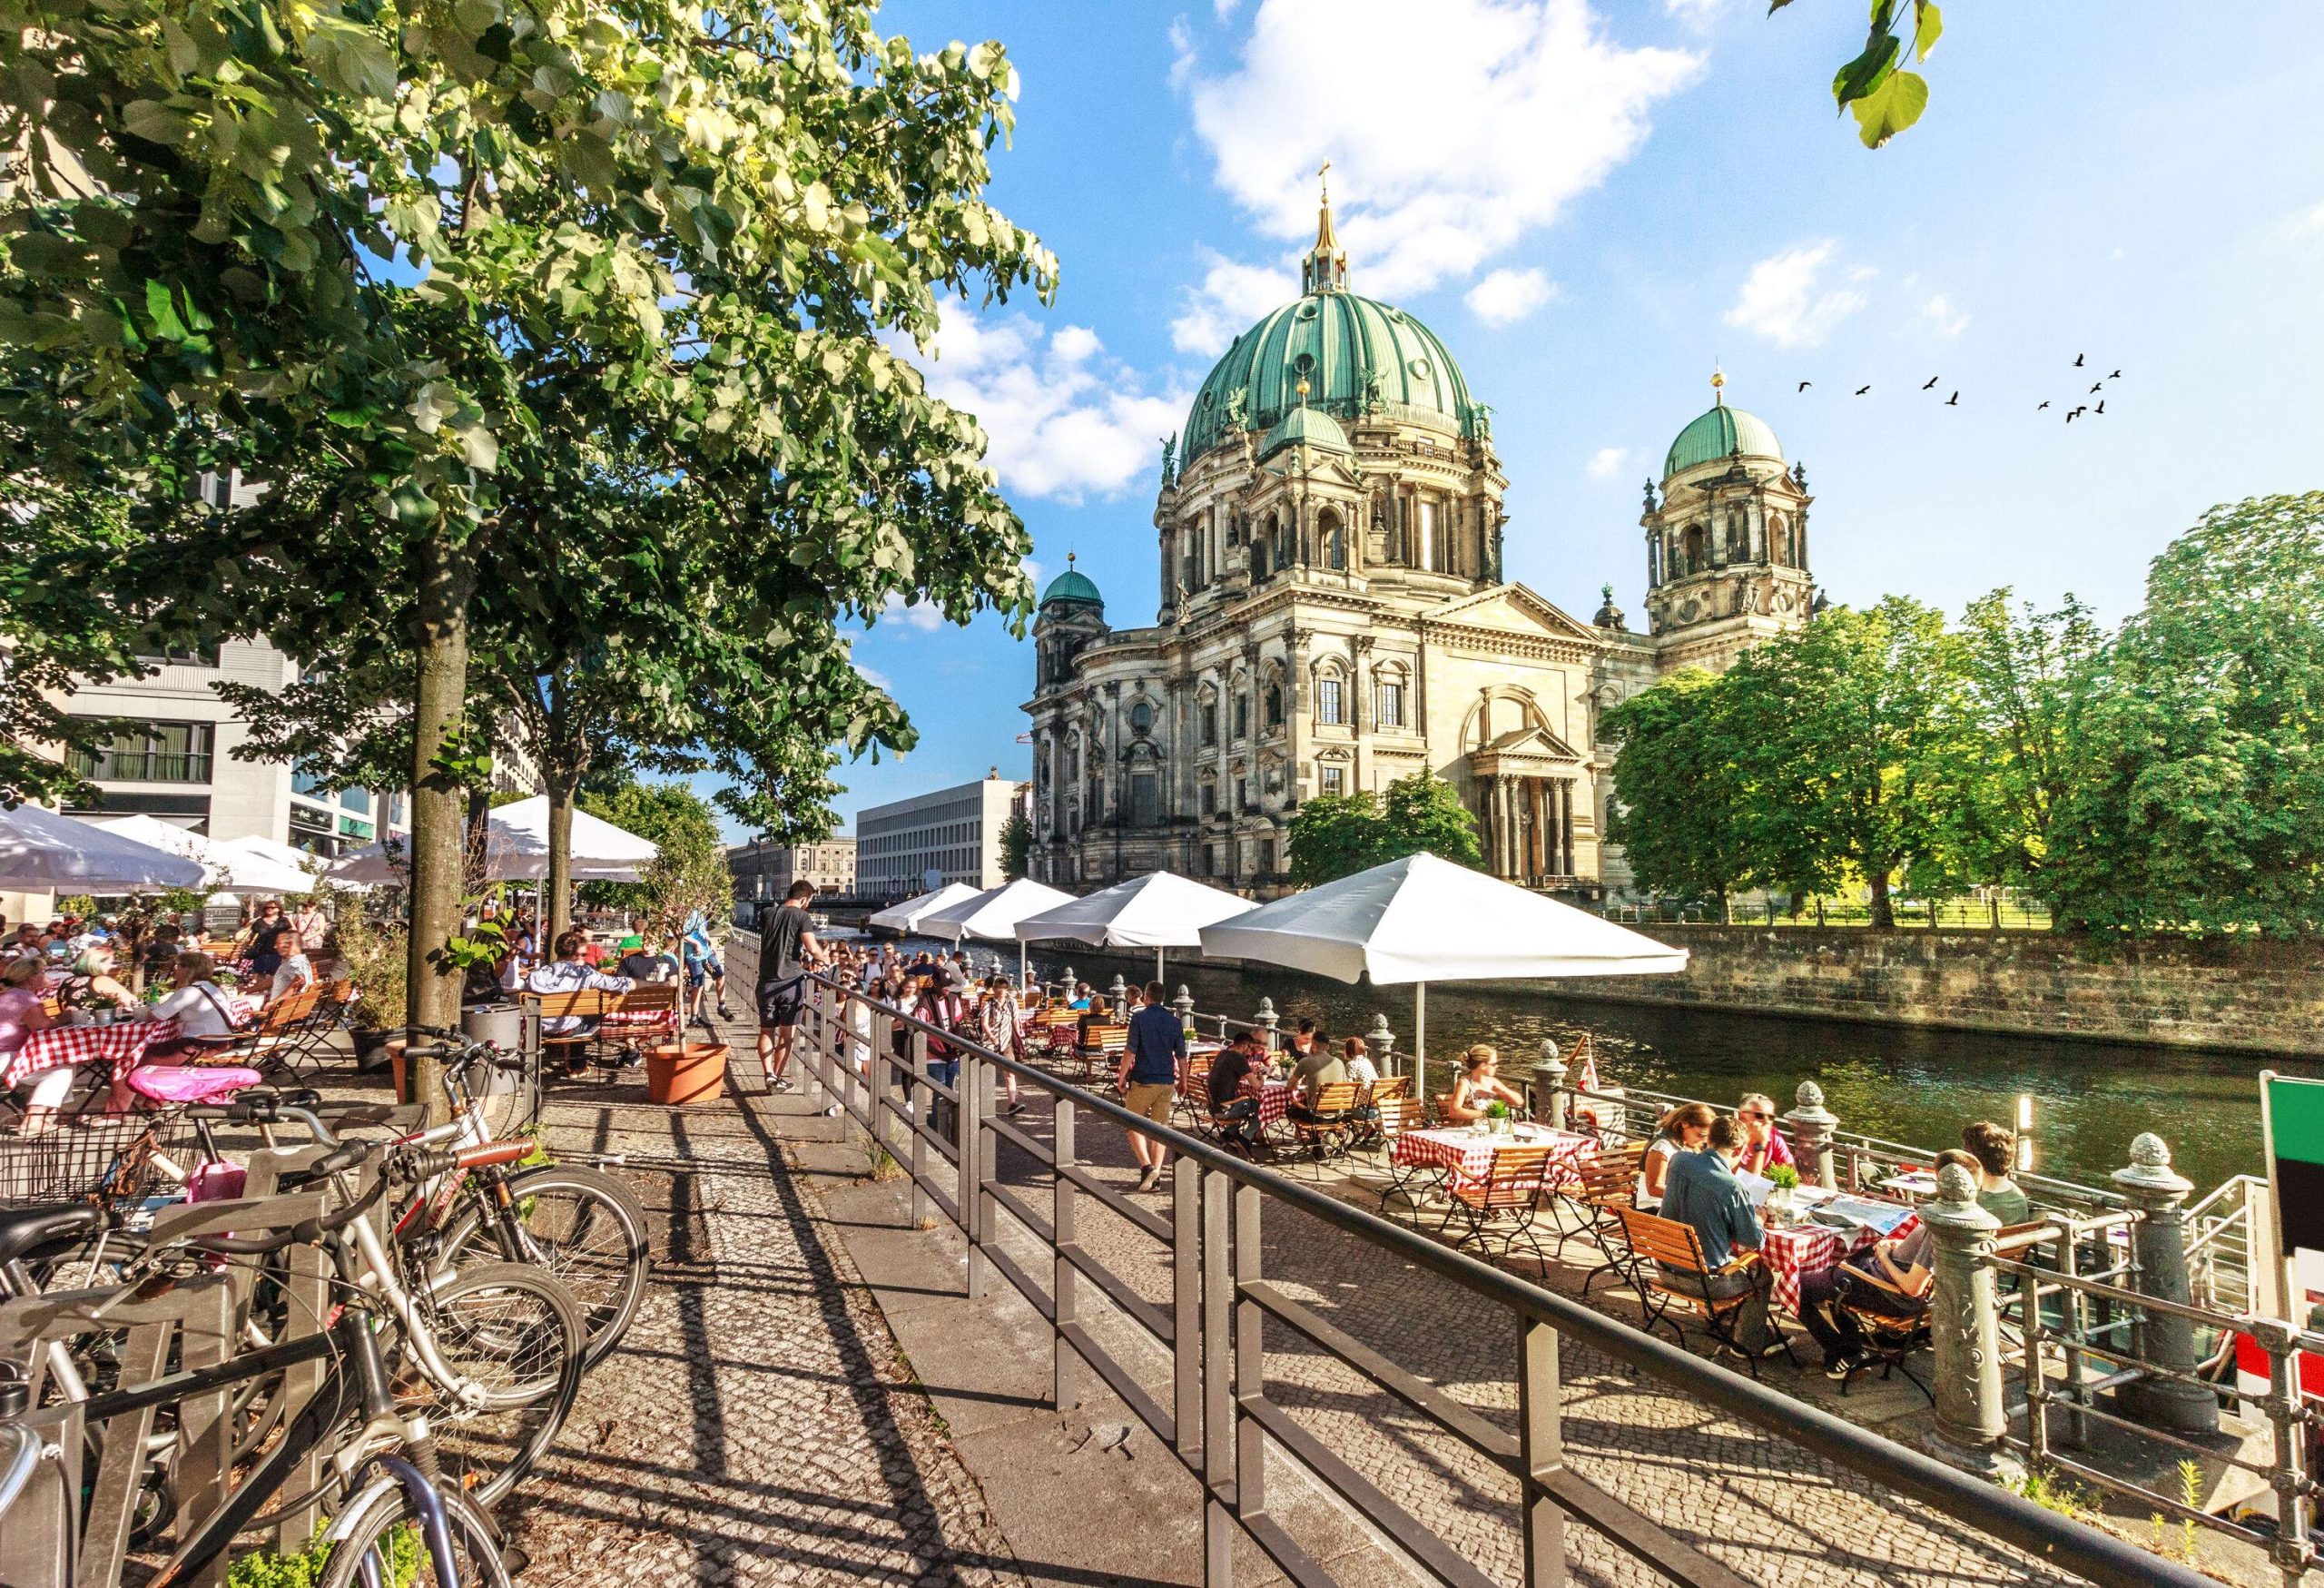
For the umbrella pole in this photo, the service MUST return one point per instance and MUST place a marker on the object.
(1158, 952)
(1020, 964)
(1420, 1042)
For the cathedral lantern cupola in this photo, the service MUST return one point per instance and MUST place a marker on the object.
(1324, 268)
(1726, 537)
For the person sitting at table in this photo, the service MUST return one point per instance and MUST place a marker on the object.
(1993, 1148)
(1478, 1086)
(92, 985)
(203, 1009)
(296, 973)
(1702, 1193)
(570, 972)
(1763, 1147)
(1233, 1114)
(1082, 996)
(1683, 1129)
(1314, 1069)
(22, 1013)
(1892, 1278)
(1358, 1057)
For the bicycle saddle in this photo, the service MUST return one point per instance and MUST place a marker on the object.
(24, 1230)
(190, 1083)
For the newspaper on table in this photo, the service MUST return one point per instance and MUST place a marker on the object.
(1845, 1212)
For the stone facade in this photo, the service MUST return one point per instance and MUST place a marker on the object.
(1332, 615)
(2254, 996)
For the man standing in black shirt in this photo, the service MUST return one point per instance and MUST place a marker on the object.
(787, 952)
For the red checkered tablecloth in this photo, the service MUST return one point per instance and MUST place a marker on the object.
(1469, 1154)
(1275, 1099)
(121, 1045)
(1803, 1248)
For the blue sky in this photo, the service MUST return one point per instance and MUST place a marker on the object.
(1590, 203)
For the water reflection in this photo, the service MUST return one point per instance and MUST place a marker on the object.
(1921, 1087)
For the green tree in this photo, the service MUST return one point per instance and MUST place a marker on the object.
(1338, 835)
(689, 872)
(1016, 845)
(2198, 800)
(1679, 812)
(358, 254)
(1886, 98)
(2027, 677)
(1846, 737)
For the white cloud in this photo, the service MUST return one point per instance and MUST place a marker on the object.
(1507, 296)
(1939, 316)
(1231, 296)
(1606, 461)
(1451, 132)
(1063, 418)
(1695, 13)
(1035, 574)
(1784, 299)
(876, 679)
(2306, 223)
(1182, 52)
(1224, 9)
(919, 614)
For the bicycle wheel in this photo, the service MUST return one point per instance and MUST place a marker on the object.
(384, 1544)
(583, 1226)
(517, 1331)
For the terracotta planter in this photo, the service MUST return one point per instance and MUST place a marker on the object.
(685, 1072)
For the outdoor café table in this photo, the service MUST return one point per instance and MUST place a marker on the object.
(1808, 1248)
(121, 1044)
(1467, 1153)
(1274, 1099)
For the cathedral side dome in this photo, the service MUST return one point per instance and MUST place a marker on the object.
(1722, 432)
(1357, 356)
(1072, 585)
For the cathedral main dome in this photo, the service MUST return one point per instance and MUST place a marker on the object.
(1358, 357)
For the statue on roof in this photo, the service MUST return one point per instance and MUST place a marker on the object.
(1237, 410)
(1170, 459)
(1371, 391)
(1799, 475)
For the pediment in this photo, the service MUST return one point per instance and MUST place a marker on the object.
(1513, 609)
(1532, 742)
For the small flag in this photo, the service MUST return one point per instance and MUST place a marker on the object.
(1588, 1081)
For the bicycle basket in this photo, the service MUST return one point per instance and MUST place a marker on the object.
(94, 1156)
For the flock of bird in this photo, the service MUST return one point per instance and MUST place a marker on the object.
(2081, 361)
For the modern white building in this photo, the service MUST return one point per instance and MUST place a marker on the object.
(953, 835)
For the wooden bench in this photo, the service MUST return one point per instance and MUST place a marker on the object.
(583, 1003)
(1681, 1275)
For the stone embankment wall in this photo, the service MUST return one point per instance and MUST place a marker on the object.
(2263, 997)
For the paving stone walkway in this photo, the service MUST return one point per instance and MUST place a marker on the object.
(757, 1424)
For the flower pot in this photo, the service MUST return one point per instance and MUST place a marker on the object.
(679, 1073)
(370, 1049)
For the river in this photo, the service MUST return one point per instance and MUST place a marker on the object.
(2089, 1099)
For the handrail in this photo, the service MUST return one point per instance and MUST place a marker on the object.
(2095, 1556)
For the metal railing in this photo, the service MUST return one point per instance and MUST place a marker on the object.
(2222, 1236)
(1217, 1416)
(2082, 1316)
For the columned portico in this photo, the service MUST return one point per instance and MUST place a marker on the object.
(1525, 807)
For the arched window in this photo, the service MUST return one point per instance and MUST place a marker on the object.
(1697, 555)
(1141, 717)
(1779, 540)
(1274, 706)
(1334, 535)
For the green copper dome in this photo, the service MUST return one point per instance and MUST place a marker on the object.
(1719, 434)
(1357, 357)
(1072, 585)
(1304, 426)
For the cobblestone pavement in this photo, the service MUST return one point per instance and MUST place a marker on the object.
(757, 1424)
(1772, 1512)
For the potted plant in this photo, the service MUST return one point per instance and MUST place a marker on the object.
(1783, 1202)
(372, 957)
(1497, 1117)
(678, 1074)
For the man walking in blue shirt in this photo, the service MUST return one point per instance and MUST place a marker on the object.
(1149, 1078)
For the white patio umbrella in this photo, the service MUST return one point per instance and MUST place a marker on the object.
(41, 850)
(1420, 919)
(515, 849)
(1160, 911)
(300, 860)
(225, 869)
(994, 914)
(905, 917)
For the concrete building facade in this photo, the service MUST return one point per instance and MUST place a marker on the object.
(766, 871)
(953, 835)
(1333, 615)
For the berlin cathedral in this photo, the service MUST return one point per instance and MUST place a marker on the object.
(1334, 616)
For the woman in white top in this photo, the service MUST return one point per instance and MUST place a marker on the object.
(1684, 1128)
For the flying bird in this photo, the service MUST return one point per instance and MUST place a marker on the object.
(2100, 386)
(2077, 360)
(1954, 400)
(2039, 406)
(1929, 382)
(2117, 375)
(2102, 405)
(2077, 413)
(1804, 385)
(1862, 389)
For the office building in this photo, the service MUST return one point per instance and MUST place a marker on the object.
(953, 835)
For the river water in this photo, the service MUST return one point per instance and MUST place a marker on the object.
(2089, 1099)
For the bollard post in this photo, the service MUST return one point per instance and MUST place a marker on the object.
(1183, 1006)
(1382, 1041)
(1810, 1126)
(1548, 1089)
(1119, 995)
(1964, 1326)
(2158, 1240)
(1267, 1020)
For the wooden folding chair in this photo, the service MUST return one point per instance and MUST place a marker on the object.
(267, 1043)
(1502, 1203)
(1609, 1183)
(1889, 1341)
(1193, 1101)
(1681, 1278)
(1100, 1043)
(1327, 1133)
(1374, 1105)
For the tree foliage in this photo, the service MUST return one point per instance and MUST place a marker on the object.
(689, 872)
(2198, 795)
(1884, 97)
(1016, 845)
(1338, 835)
(1679, 810)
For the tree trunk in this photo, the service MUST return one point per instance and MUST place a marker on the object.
(1884, 916)
(561, 792)
(447, 577)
